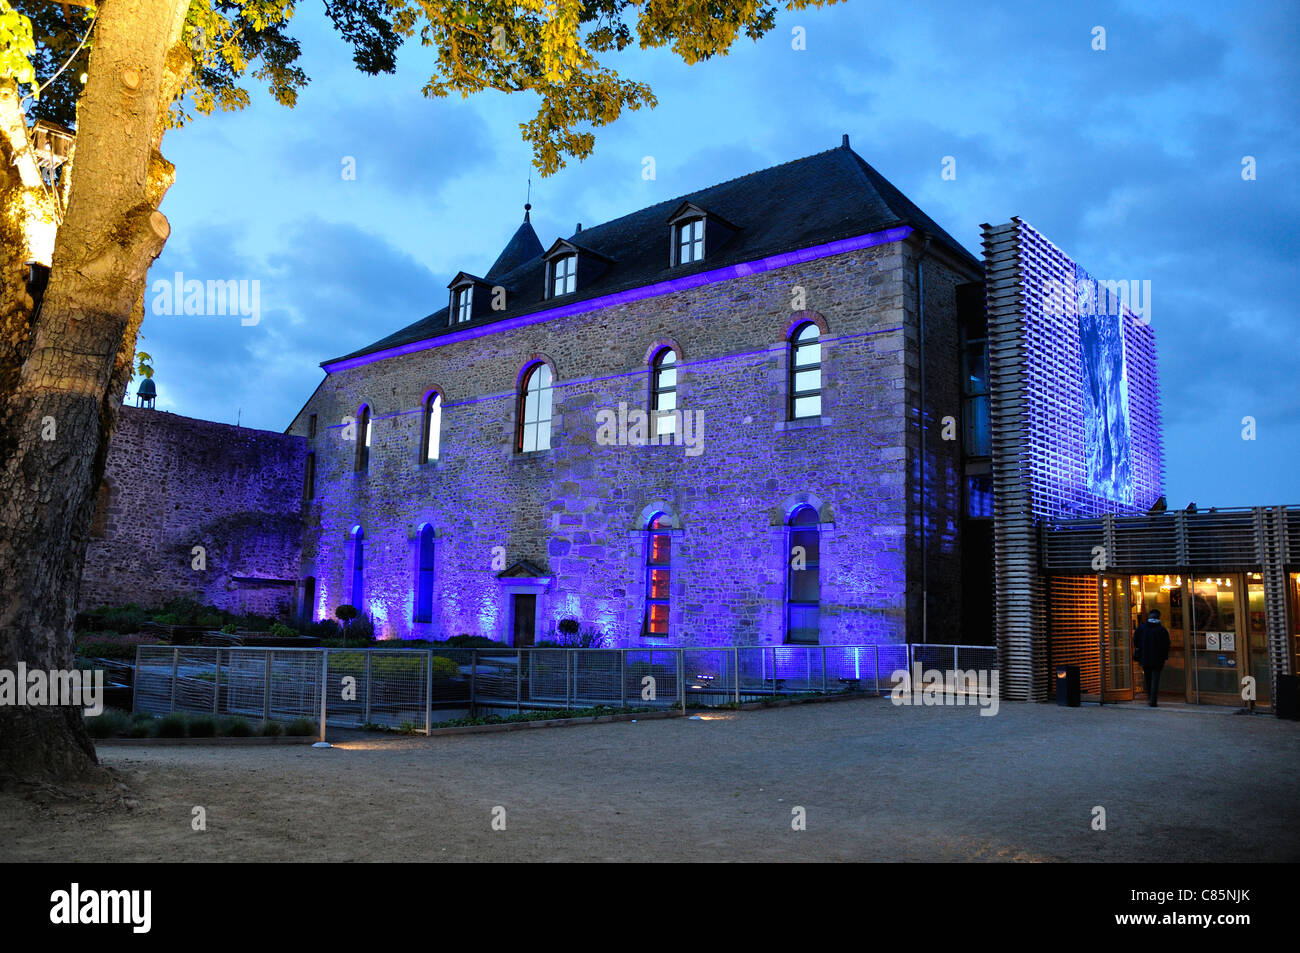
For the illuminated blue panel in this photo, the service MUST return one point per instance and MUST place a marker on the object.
(1107, 439)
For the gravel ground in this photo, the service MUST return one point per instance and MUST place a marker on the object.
(877, 782)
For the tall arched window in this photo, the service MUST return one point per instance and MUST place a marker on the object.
(364, 428)
(658, 575)
(424, 576)
(663, 393)
(534, 429)
(358, 568)
(803, 582)
(805, 372)
(432, 427)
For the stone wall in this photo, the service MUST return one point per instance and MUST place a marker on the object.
(578, 511)
(173, 483)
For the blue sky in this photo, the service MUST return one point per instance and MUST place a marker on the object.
(1129, 159)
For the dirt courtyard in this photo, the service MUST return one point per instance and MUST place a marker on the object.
(875, 782)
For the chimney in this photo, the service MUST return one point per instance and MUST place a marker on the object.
(844, 141)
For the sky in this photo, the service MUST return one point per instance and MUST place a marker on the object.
(1130, 159)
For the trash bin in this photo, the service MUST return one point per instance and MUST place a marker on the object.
(1067, 686)
(1287, 704)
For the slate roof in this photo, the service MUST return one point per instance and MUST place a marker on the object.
(523, 246)
(821, 198)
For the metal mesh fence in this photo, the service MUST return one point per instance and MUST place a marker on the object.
(416, 688)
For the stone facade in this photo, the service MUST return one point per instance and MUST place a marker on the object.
(172, 483)
(578, 511)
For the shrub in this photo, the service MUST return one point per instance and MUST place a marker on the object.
(142, 726)
(444, 667)
(281, 631)
(202, 727)
(121, 619)
(210, 621)
(361, 629)
(271, 729)
(172, 726)
(325, 629)
(181, 611)
(230, 628)
(472, 642)
(111, 645)
(568, 627)
(300, 728)
(345, 612)
(111, 723)
(238, 728)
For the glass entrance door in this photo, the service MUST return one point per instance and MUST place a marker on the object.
(1256, 657)
(1117, 665)
(1218, 640)
(1165, 593)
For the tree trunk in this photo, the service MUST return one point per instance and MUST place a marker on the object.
(64, 380)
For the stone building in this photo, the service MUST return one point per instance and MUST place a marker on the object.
(196, 508)
(734, 417)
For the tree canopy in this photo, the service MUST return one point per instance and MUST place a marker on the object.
(549, 48)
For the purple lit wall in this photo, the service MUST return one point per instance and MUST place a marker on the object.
(577, 512)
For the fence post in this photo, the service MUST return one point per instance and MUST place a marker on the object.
(622, 678)
(216, 686)
(473, 676)
(735, 664)
(954, 660)
(774, 670)
(324, 688)
(365, 720)
(176, 660)
(266, 687)
(681, 678)
(823, 670)
(519, 671)
(428, 697)
(876, 668)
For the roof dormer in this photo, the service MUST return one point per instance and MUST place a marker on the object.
(571, 267)
(694, 233)
(470, 298)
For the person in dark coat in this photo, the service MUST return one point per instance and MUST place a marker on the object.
(1151, 650)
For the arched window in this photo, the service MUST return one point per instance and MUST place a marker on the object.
(432, 427)
(805, 372)
(658, 575)
(534, 428)
(424, 576)
(663, 393)
(358, 568)
(364, 428)
(803, 582)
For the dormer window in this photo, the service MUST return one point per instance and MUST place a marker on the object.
(569, 264)
(564, 275)
(464, 304)
(690, 241)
